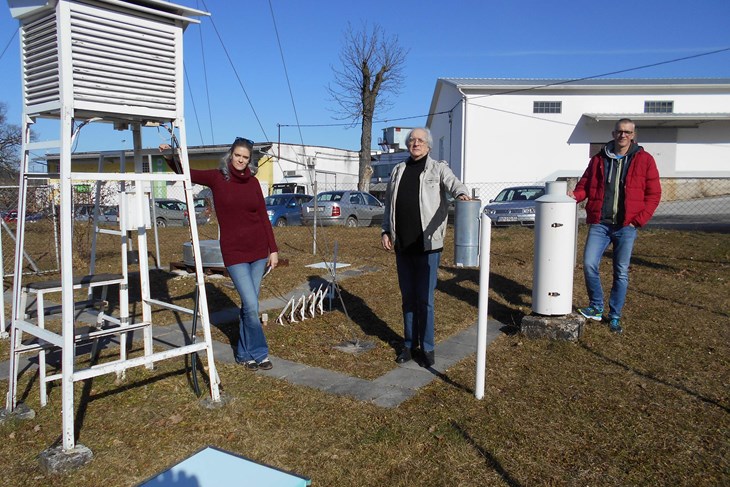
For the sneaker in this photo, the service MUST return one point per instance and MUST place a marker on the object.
(265, 364)
(250, 365)
(615, 326)
(591, 313)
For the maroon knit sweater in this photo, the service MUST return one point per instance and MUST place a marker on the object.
(246, 233)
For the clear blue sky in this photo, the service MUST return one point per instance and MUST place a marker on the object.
(471, 38)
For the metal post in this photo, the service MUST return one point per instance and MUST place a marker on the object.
(67, 298)
(484, 251)
(314, 240)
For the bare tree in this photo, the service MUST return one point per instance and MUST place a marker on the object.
(372, 68)
(10, 140)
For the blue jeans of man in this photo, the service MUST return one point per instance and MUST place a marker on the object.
(251, 339)
(417, 276)
(599, 238)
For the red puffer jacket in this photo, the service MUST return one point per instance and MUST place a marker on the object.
(642, 189)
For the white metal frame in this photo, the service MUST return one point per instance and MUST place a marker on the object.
(68, 89)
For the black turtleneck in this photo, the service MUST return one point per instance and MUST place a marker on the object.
(408, 228)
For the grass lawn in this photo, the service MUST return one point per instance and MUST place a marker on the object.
(650, 407)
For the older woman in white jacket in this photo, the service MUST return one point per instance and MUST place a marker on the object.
(414, 224)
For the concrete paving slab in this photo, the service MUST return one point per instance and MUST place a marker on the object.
(405, 378)
(317, 378)
(283, 369)
(454, 351)
(360, 389)
(392, 397)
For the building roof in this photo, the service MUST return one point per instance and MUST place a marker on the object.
(662, 119)
(21, 9)
(612, 82)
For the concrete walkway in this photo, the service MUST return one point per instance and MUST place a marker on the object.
(388, 390)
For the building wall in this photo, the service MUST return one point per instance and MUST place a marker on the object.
(446, 131)
(304, 165)
(507, 142)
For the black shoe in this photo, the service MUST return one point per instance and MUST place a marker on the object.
(265, 364)
(250, 365)
(428, 359)
(405, 356)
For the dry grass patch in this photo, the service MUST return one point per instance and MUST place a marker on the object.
(647, 408)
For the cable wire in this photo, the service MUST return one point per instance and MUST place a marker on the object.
(205, 77)
(286, 72)
(12, 37)
(240, 83)
(195, 110)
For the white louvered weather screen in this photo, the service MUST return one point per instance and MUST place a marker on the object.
(121, 62)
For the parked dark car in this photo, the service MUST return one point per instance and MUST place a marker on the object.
(286, 209)
(514, 205)
(348, 208)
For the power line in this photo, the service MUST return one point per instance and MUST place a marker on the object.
(603, 75)
(205, 77)
(240, 83)
(286, 73)
(12, 37)
(195, 110)
(520, 90)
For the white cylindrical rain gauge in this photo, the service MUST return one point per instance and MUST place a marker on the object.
(555, 223)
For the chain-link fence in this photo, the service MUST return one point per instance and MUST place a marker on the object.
(696, 201)
(41, 249)
(684, 200)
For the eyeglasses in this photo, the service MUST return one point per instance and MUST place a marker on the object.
(242, 139)
(623, 132)
(413, 141)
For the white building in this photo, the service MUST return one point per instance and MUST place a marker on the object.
(302, 165)
(534, 130)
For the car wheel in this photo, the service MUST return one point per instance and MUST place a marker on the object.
(281, 222)
(351, 222)
(161, 222)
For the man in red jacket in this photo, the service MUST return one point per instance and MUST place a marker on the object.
(622, 186)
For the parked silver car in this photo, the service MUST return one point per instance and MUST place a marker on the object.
(348, 208)
(107, 213)
(172, 212)
(514, 206)
(203, 209)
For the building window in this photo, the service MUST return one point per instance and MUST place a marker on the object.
(658, 107)
(547, 106)
(145, 166)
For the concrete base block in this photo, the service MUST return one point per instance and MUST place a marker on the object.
(21, 412)
(56, 460)
(566, 327)
(208, 403)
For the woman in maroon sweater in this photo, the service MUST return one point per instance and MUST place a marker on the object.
(247, 242)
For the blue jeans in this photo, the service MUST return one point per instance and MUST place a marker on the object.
(251, 340)
(417, 275)
(599, 237)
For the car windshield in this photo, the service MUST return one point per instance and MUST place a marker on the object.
(276, 200)
(329, 197)
(519, 194)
